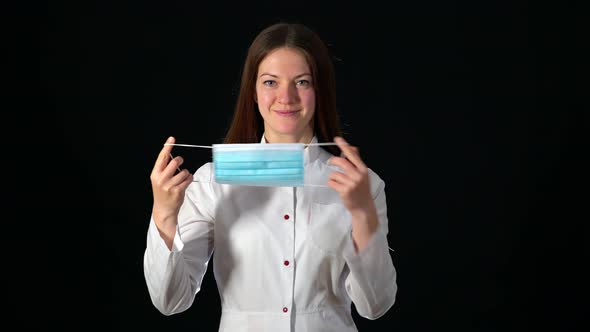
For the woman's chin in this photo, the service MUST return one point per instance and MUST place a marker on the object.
(287, 130)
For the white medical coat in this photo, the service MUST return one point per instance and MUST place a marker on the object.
(284, 257)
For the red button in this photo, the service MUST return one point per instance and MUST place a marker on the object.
(286, 217)
(285, 309)
(286, 263)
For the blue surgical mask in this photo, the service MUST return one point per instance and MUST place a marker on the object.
(256, 164)
(269, 165)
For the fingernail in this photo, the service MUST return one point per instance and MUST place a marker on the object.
(169, 140)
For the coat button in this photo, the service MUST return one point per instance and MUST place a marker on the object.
(286, 263)
(285, 309)
(286, 217)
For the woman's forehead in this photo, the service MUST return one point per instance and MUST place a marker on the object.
(284, 61)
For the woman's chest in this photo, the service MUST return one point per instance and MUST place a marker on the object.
(252, 219)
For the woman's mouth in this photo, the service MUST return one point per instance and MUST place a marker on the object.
(286, 113)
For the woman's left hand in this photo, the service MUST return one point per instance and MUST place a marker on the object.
(353, 182)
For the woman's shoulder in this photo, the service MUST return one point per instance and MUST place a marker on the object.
(377, 183)
(204, 173)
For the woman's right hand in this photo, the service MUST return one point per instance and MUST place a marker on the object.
(168, 190)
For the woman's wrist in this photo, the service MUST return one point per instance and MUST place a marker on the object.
(364, 225)
(166, 223)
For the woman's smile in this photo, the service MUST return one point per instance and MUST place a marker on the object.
(286, 113)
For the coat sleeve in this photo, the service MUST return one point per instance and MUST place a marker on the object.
(174, 277)
(371, 284)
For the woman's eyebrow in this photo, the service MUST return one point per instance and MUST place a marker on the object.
(272, 75)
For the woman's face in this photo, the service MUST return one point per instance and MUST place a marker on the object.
(285, 96)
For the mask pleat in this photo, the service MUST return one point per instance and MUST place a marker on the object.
(259, 165)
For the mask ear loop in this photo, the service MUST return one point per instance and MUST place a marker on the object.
(190, 146)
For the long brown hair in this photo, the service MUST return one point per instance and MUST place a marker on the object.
(247, 124)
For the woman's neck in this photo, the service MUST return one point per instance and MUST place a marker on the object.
(304, 137)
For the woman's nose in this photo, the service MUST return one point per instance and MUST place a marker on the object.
(287, 94)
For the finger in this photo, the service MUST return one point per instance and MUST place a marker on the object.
(355, 149)
(164, 155)
(340, 188)
(350, 152)
(189, 179)
(341, 178)
(179, 178)
(172, 167)
(177, 168)
(344, 164)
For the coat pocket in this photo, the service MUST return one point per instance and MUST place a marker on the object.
(329, 226)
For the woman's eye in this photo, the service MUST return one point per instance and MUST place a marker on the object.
(269, 83)
(303, 82)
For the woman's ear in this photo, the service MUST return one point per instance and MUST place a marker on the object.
(255, 98)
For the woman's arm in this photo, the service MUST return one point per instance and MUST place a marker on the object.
(174, 275)
(371, 283)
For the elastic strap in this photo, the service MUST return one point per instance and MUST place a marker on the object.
(211, 147)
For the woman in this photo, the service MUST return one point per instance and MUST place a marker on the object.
(286, 258)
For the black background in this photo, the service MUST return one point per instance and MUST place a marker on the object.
(469, 111)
